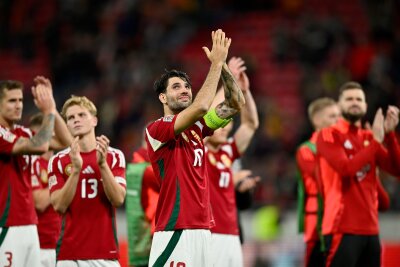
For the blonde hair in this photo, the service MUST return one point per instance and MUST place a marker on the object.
(81, 101)
(318, 105)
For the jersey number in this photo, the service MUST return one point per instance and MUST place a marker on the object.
(9, 258)
(93, 186)
(224, 179)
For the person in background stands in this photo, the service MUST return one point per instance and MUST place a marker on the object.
(87, 183)
(19, 242)
(348, 157)
(220, 154)
(322, 112)
(49, 222)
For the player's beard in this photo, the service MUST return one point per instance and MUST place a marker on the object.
(353, 117)
(177, 106)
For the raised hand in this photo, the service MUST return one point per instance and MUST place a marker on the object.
(75, 155)
(102, 143)
(391, 119)
(220, 47)
(43, 95)
(238, 68)
(378, 129)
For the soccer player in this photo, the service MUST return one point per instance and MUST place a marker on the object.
(348, 157)
(141, 202)
(49, 222)
(87, 183)
(322, 112)
(19, 242)
(176, 151)
(221, 152)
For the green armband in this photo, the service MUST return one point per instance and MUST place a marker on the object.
(213, 121)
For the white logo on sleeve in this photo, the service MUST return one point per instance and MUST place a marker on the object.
(198, 155)
(348, 144)
(52, 181)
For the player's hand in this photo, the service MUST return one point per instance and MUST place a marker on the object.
(102, 144)
(248, 184)
(75, 155)
(378, 128)
(238, 68)
(220, 47)
(391, 119)
(42, 93)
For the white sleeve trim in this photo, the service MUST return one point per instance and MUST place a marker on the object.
(155, 144)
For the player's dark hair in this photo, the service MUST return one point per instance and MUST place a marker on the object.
(349, 86)
(160, 85)
(9, 85)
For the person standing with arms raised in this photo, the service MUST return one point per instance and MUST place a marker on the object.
(176, 151)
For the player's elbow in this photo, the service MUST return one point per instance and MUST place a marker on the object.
(117, 202)
(58, 206)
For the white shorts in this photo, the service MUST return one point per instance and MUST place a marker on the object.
(20, 246)
(181, 248)
(88, 263)
(226, 251)
(48, 257)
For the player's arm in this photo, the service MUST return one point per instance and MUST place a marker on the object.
(113, 190)
(41, 198)
(383, 197)
(389, 156)
(233, 96)
(62, 137)
(330, 148)
(206, 94)
(306, 161)
(62, 198)
(39, 143)
(249, 121)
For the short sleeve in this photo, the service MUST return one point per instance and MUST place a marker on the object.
(55, 169)
(160, 132)
(118, 166)
(35, 173)
(7, 140)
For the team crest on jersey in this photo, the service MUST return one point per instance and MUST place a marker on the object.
(68, 169)
(168, 118)
(226, 161)
(185, 137)
(212, 159)
(43, 176)
(366, 143)
(196, 136)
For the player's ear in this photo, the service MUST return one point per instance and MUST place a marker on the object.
(163, 98)
(95, 121)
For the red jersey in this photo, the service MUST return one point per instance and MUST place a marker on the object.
(16, 200)
(307, 164)
(150, 187)
(348, 157)
(49, 220)
(88, 227)
(222, 189)
(178, 163)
